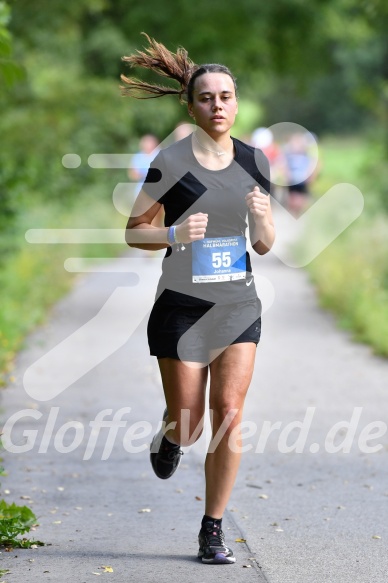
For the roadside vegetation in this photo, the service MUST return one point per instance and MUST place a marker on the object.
(33, 276)
(15, 521)
(351, 274)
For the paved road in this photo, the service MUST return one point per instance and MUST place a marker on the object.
(307, 516)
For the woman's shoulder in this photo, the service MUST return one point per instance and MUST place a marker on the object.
(243, 146)
(247, 149)
(179, 148)
(172, 155)
(249, 157)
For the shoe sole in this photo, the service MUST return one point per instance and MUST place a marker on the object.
(219, 559)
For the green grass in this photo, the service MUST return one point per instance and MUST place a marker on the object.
(351, 275)
(341, 160)
(33, 278)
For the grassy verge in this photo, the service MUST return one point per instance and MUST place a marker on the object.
(32, 277)
(351, 275)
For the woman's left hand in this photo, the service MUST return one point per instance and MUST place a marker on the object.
(258, 204)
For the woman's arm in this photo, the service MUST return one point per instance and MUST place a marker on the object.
(140, 233)
(262, 230)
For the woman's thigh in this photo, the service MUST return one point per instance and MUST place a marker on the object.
(184, 386)
(230, 376)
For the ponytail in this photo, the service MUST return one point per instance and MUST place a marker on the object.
(176, 66)
(158, 58)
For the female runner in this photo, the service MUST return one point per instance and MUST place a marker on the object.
(206, 317)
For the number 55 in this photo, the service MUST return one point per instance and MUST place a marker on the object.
(221, 259)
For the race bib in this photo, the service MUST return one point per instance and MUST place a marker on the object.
(219, 259)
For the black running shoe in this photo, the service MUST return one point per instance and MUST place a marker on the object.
(212, 548)
(165, 456)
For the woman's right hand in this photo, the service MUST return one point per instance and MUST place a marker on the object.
(192, 229)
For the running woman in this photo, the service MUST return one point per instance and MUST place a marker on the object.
(206, 319)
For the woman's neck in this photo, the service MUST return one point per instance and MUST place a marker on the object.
(220, 144)
(212, 154)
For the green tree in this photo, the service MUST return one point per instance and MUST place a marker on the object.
(358, 32)
(10, 70)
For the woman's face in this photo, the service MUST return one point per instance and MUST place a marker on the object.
(214, 105)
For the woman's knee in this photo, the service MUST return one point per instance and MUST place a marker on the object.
(225, 415)
(187, 428)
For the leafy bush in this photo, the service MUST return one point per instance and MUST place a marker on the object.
(15, 521)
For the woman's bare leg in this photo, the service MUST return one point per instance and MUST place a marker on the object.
(184, 389)
(230, 376)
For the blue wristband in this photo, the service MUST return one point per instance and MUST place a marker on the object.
(171, 235)
(172, 239)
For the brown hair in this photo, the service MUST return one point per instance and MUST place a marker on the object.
(176, 66)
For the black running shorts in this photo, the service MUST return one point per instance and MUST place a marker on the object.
(189, 333)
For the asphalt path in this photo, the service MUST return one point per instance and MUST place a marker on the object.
(311, 498)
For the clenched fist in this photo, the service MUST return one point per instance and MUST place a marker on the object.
(192, 229)
(258, 204)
